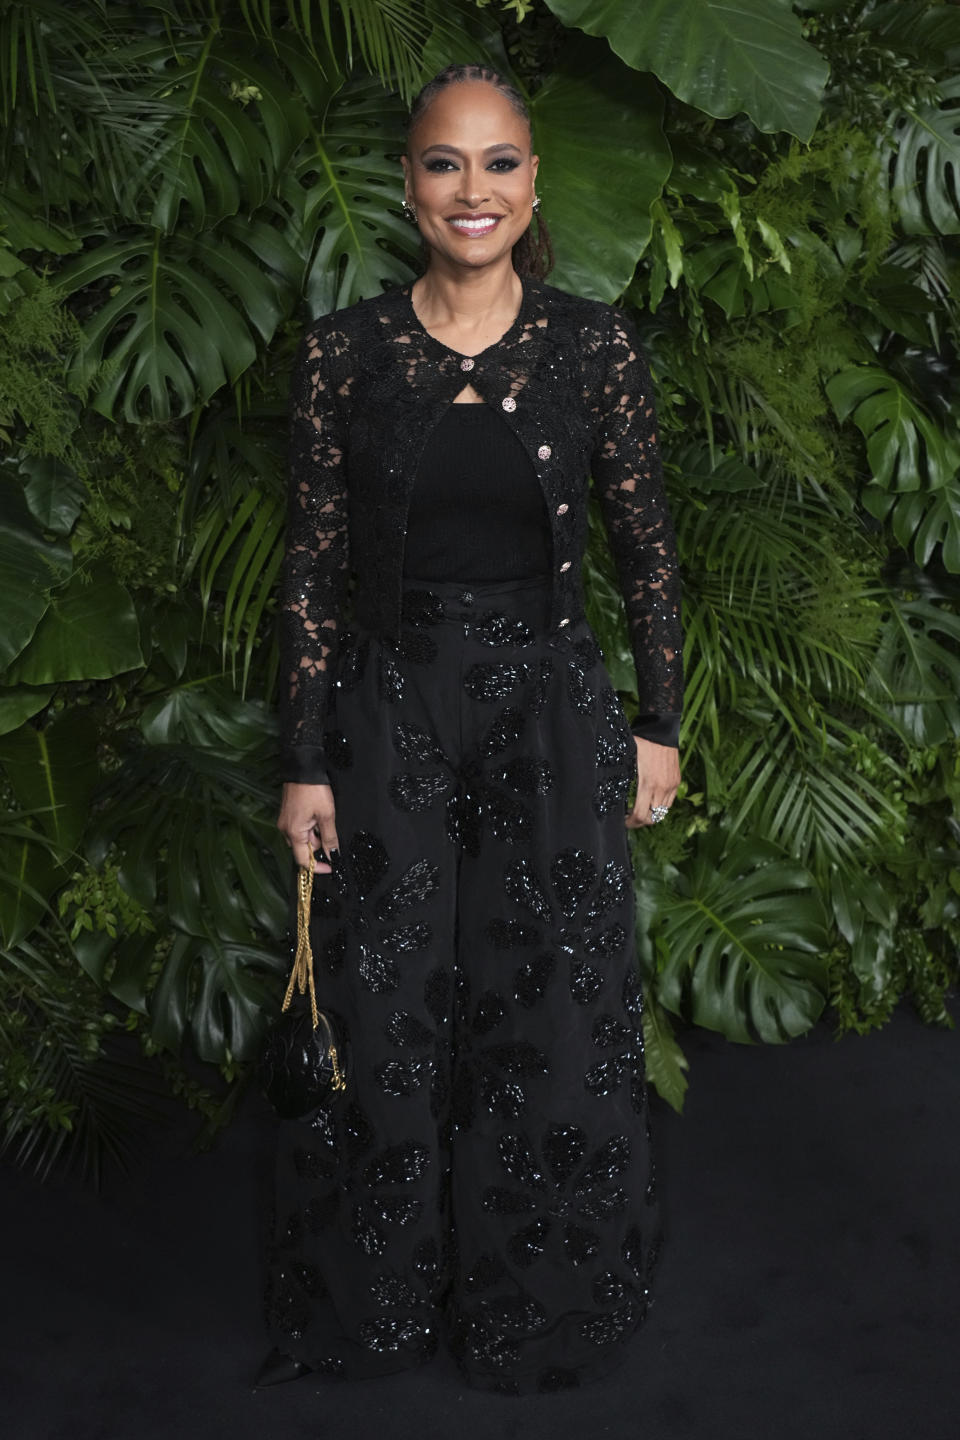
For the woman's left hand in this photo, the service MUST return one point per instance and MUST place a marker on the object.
(658, 775)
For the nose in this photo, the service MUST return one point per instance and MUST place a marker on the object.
(472, 189)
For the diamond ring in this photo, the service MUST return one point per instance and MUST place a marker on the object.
(659, 812)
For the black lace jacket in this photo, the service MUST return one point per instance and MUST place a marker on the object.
(369, 384)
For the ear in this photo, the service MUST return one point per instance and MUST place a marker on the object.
(534, 165)
(406, 173)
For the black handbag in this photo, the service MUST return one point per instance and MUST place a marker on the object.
(305, 1057)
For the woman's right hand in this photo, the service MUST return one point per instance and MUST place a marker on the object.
(308, 818)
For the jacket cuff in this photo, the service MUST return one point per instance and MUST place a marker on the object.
(662, 729)
(304, 765)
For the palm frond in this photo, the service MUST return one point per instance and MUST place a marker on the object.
(796, 786)
(77, 1104)
(390, 35)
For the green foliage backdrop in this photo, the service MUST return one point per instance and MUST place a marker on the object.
(772, 188)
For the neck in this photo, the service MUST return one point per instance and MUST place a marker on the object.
(457, 295)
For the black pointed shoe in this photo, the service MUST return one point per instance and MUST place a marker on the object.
(278, 1368)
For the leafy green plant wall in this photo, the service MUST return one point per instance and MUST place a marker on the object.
(772, 188)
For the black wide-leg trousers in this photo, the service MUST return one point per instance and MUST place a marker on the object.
(486, 1179)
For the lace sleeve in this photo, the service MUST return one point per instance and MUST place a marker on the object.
(628, 481)
(315, 563)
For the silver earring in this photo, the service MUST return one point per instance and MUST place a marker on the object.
(409, 212)
(536, 202)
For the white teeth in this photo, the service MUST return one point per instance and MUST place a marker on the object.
(474, 224)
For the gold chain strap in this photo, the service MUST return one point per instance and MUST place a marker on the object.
(301, 975)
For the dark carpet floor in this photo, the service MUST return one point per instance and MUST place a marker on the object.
(808, 1289)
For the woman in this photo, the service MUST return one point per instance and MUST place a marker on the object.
(461, 759)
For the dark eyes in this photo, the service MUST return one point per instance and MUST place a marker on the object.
(504, 164)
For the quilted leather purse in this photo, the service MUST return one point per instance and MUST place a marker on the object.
(304, 1056)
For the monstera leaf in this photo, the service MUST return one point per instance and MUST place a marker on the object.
(195, 836)
(604, 161)
(922, 522)
(718, 57)
(182, 315)
(916, 674)
(229, 127)
(742, 933)
(195, 832)
(925, 165)
(218, 993)
(905, 449)
(207, 715)
(866, 916)
(345, 198)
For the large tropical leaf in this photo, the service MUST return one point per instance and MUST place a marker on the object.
(719, 57)
(906, 450)
(29, 874)
(344, 198)
(89, 631)
(603, 162)
(664, 1060)
(53, 773)
(29, 566)
(922, 522)
(208, 715)
(231, 126)
(182, 315)
(866, 916)
(916, 675)
(741, 933)
(19, 703)
(54, 492)
(219, 993)
(195, 832)
(925, 162)
(719, 271)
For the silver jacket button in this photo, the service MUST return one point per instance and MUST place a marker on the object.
(565, 566)
(562, 509)
(466, 363)
(508, 402)
(544, 452)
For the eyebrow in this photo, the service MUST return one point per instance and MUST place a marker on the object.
(452, 149)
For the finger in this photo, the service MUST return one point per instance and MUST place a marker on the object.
(302, 847)
(326, 827)
(640, 814)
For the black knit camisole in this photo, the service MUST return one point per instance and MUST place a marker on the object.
(477, 511)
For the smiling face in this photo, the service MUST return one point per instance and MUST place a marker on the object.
(470, 175)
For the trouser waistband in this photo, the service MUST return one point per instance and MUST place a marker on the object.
(430, 602)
